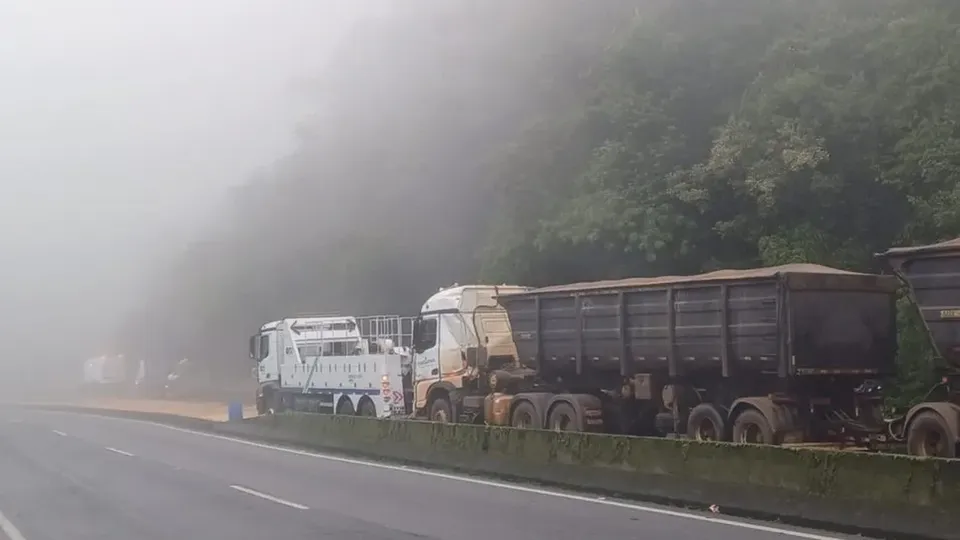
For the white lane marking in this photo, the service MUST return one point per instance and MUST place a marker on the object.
(489, 483)
(8, 529)
(277, 500)
(121, 452)
(60, 433)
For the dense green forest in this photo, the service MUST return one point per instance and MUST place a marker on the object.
(549, 141)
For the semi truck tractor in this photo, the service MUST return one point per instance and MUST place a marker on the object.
(463, 350)
(333, 364)
(932, 276)
(772, 355)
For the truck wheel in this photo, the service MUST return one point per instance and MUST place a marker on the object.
(706, 424)
(753, 428)
(345, 407)
(261, 405)
(929, 436)
(525, 416)
(367, 408)
(274, 402)
(441, 411)
(563, 417)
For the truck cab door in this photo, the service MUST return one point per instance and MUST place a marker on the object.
(426, 358)
(269, 365)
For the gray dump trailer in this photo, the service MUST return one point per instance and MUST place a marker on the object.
(769, 355)
(932, 274)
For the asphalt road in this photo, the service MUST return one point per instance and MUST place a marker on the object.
(74, 477)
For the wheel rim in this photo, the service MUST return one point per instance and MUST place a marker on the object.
(561, 422)
(706, 431)
(523, 420)
(751, 434)
(440, 415)
(932, 444)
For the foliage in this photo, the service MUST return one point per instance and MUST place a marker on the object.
(754, 133)
(915, 370)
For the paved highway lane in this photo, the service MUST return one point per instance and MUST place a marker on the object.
(71, 476)
(58, 487)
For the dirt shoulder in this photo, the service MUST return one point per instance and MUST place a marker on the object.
(207, 410)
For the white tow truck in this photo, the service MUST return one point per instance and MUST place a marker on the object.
(333, 364)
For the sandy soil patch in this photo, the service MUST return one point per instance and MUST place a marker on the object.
(210, 410)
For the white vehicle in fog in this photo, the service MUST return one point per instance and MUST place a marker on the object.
(339, 365)
(104, 370)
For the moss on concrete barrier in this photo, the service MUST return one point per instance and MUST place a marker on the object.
(885, 493)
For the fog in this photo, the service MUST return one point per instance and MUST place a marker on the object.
(122, 124)
(175, 175)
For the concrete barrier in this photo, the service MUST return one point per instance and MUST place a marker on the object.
(853, 492)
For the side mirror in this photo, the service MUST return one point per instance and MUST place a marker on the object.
(253, 348)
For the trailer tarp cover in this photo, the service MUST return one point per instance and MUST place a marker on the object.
(717, 275)
(947, 245)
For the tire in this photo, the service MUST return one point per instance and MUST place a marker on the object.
(525, 416)
(563, 417)
(705, 423)
(929, 436)
(752, 427)
(441, 411)
(275, 402)
(345, 406)
(367, 408)
(261, 405)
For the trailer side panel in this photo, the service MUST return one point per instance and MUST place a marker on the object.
(815, 319)
(933, 275)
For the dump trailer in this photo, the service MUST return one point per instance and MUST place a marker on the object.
(932, 276)
(771, 355)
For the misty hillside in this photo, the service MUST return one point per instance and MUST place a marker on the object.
(389, 193)
(550, 141)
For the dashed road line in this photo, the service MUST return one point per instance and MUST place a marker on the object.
(60, 433)
(121, 452)
(8, 529)
(277, 500)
